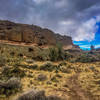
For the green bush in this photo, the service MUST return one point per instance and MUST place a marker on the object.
(13, 72)
(54, 79)
(29, 61)
(37, 95)
(10, 87)
(63, 67)
(2, 61)
(35, 66)
(62, 64)
(53, 97)
(41, 77)
(86, 58)
(56, 53)
(53, 54)
(48, 67)
(61, 53)
(32, 95)
(68, 56)
(40, 54)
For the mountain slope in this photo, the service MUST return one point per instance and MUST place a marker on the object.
(31, 34)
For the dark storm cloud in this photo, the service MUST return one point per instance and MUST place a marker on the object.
(64, 16)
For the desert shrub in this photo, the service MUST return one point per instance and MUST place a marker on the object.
(63, 67)
(38, 58)
(48, 67)
(36, 53)
(29, 61)
(41, 57)
(58, 75)
(20, 55)
(97, 82)
(36, 95)
(54, 79)
(63, 64)
(31, 82)
(40, 54)
(14, 71)
(12, 53)
(9, 87)
(13, 83)
(56, 53)
(2, 61)
(41, 41)
(32, 95)
(30, 75)
(49, 82)
(60, 65)
(41, 77)
(85, 58)
(92, 68)
(53, 54)
(53, 98)
(34, 67)
(14, 61)
(68, 56)
(1, 51)
(98, 55)
(61, 53)
(30, 49)
(44, 55)
(72, 60)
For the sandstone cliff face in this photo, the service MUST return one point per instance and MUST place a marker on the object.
(31, 34)
(65, 40)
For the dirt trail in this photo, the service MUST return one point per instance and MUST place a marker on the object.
(21, 44)
(16, 43)
(29, 44)
(77, 93)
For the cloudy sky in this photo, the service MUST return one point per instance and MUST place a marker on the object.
(77, 18)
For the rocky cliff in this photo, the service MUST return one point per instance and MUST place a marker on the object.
(31, 34)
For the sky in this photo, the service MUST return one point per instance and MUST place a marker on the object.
(79, 19)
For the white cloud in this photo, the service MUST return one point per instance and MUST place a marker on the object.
(68, 17)
(98, 18)
(80, 31)
(97, 46)
(85, 46)
(88, 46)
(40, 1)
(61, 4)
(66, 22)
(86, 31)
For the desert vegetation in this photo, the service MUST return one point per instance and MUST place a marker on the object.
(36, 73)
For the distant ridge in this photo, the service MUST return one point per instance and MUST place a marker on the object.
(17, 32)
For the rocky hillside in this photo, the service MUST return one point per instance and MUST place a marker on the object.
(31, 34)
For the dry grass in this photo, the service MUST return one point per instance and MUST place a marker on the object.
(63, 84)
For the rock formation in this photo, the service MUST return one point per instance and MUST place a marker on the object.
(31, 34)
